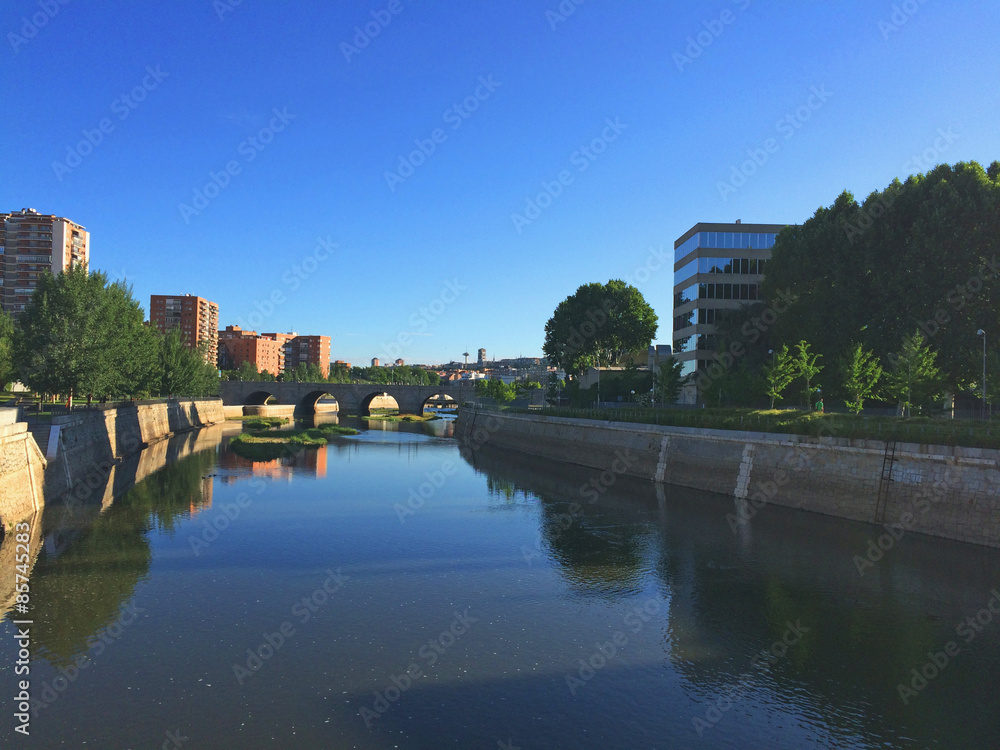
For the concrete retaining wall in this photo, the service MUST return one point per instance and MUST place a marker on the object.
(22, 471)
(90, 442)
(944, 491)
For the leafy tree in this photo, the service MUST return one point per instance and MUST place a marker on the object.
(599, 324)
(668, 381)
(247, 371)
(555, 385)
(496, 389)
(6, 349)
(779, 374)
(922, 252)
(82, 336)
(806, 367)
(183, 370)
(862, 371)
(524, 386)
(914, 377)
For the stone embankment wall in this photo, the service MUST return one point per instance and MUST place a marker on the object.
(22, 471)
(89, 443)
(944, 491)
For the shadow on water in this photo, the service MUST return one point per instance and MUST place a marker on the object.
(91, 554)
(734, 593)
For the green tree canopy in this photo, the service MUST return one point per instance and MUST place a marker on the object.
(183, 370)
(779, 374)
(80, 335)
(6, 349)
(921, 253)
(862, 372)
(599, 324)
(914, 377)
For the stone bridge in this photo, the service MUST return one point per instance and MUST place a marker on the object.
(352, 398)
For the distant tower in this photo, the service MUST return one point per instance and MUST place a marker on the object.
(482, 357)
(374, 361)
(466, 355)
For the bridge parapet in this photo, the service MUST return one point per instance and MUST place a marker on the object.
(352, 398)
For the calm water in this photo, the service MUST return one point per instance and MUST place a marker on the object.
(323, 602)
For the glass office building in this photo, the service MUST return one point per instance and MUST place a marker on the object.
(716, 267)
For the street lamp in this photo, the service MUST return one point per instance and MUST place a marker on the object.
(982, 333)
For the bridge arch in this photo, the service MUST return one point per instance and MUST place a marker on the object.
(309, 401)
(260, 398)
(444, 400)
(365, 404)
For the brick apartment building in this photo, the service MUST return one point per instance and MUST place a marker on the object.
(308, 350)
(197, 318)
(237, 346)
(31, 244)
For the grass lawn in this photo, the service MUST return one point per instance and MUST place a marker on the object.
(936, 431)
(259, 423)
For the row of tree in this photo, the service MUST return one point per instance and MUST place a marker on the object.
(339, 373)
(83, 336)
(910, 272)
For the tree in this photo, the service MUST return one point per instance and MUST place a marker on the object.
(599, 324)
(922, 250)
(81, 336)
(183, 370)
(6, 349)
(913, 376)
(861, 372)
(496, 389)
(779, 374)
(806, 367)
(247, 371)
(668, 381)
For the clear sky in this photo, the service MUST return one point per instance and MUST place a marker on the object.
(185, 90)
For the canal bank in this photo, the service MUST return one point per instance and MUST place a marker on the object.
(945, 491)
(84, 447)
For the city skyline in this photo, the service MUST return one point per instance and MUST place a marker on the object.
(418, 206)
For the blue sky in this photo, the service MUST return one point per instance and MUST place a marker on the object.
(303, 134)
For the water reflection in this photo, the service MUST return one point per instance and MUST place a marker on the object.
(855, 638)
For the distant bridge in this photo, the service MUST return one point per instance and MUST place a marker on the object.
(352, 398)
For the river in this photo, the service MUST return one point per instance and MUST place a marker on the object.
(384, 592)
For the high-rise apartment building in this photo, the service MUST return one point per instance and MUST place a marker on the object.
(31, 244)
(308, 350)
(196, 317)
(237, 346)
(302, 350)
(717, 267)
